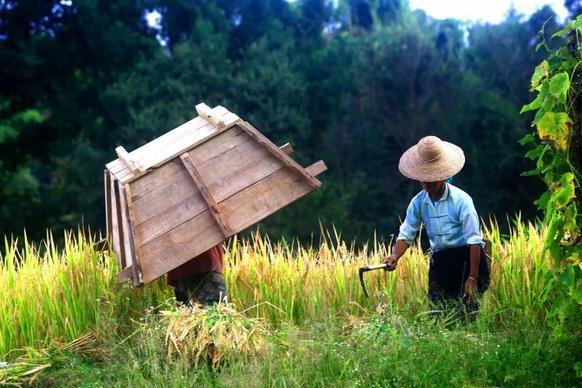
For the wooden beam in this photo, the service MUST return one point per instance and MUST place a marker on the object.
(108, 216)
(275, 151)
(119, 231)
(212, 205)
(126, 158)
(207, 112)
(287, 148)
(126, 204)
(316, 168)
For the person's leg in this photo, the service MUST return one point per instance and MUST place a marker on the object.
(447, 274)
(213, 289)
(206, 289)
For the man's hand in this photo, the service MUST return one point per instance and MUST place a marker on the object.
(471, 287)
(391, 262)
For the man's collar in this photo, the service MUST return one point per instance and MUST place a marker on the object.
(443, 197)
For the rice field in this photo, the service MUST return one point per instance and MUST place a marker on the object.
(53, 297)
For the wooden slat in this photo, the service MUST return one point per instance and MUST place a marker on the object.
(240, 211)
(126, 204)
(108, 219)
(273, 149)
(160, 142)
(179, 139)
(198, 179)
(287, 148)
(316, 168)
(118, 236)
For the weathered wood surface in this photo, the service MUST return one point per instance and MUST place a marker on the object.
(130, 247)
(201, 185)
(241, 210)
(208, 113)
(117, 224)
(171, 145)
(127, 160)
(316, 168)
(108, 215)
(164, 198)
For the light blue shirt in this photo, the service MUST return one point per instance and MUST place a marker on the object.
(450, 222)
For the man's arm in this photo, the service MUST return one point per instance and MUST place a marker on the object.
(399, 249)
(406, 235)
(472, 234)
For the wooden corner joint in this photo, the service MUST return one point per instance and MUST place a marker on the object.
(126, 158)
(205, 111)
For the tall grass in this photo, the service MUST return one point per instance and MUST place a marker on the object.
(57, 295)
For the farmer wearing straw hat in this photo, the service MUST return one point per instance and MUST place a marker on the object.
(459, 270)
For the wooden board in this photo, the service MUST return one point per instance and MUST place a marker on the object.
(117, 224)
(108, 216)
(200, 233)
(171, 199)
(170, 145)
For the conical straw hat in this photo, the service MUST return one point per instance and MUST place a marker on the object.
(431, 160)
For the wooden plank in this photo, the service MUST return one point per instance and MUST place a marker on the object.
(198, 179)
(287, 148)
(159, 142)
(287, 161)
(222, 143)
(108, 220)
(201, 232)
(181, 138)
(118, 236)
(316, 168)
(125, 194)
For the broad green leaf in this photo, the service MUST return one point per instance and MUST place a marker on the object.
(559, 85)
(565, 192)
(554, 128)
(535, 153)
(535, 104)
(541, 72)
(530, 173)
(527, 139)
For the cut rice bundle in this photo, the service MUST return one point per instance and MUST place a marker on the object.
(212, 334)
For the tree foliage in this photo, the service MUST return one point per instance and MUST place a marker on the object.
(352, 82)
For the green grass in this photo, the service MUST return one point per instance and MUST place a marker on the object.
(63, 316)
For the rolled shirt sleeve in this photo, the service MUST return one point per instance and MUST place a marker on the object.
(411, 224)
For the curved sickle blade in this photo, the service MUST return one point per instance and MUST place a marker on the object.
(361, 272)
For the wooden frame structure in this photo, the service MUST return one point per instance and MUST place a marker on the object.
(193, 187)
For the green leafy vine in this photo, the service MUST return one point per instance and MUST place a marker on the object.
(556, 149)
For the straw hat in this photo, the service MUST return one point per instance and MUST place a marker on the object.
(431, 160)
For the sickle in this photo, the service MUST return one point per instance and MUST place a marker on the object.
(365, 269)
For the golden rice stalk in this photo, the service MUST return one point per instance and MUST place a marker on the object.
(212, 334)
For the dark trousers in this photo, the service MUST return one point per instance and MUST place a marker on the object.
(205, 288)
(449, 270)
